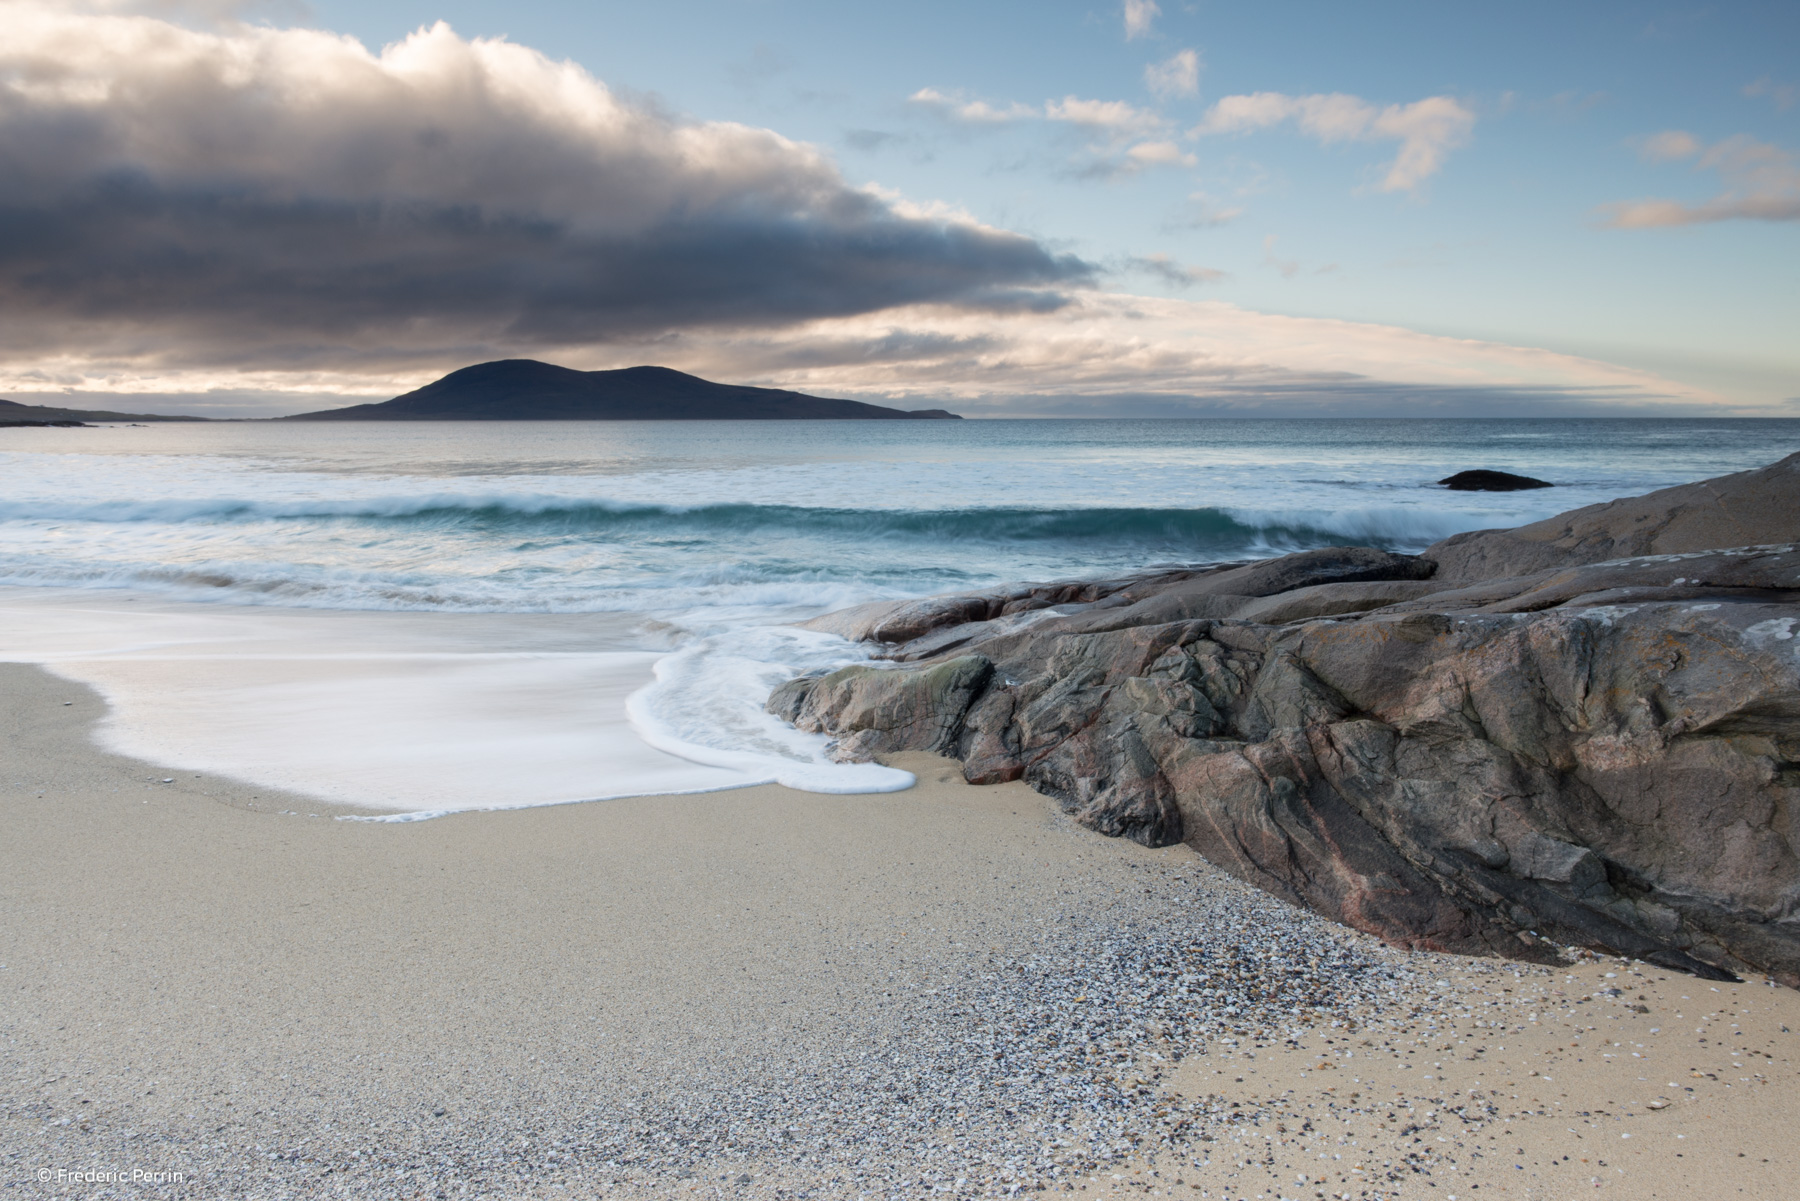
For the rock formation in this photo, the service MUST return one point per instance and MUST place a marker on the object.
(1492, 481)
(1581, 731)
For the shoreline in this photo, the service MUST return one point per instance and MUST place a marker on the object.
(423, 711)
(639, 997)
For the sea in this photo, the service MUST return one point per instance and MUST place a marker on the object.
(412, 619)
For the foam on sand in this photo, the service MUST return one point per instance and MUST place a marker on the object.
(421, 713)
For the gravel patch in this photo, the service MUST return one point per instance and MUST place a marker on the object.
(988, 1071)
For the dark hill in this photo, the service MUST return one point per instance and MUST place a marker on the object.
(13, 413)
(526, 390)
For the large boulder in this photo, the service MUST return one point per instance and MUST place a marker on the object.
(1626, 778)
(1596, 752)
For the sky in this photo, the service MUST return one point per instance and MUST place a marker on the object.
(1126, 208)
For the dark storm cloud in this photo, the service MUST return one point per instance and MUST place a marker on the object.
(268, 192)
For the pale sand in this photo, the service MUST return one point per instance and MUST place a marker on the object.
(1542, 1087)
(203, 977)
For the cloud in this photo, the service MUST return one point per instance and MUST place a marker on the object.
(1099, 354)
(1112, 116)
(1108, 162)
(1762, 183)
(974, 112)
(1163, 154)
(1169, 271)
(1110, 353)
(1427, 129)
(1178, 75)
(1109, 125)
(1781, 95)
(1139, 16)
(257, 195)
(1668, 145)
(210, 12)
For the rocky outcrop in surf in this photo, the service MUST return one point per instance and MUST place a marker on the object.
(1483, 480)
(1603, 749)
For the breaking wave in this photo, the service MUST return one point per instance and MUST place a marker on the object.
(1202, 529)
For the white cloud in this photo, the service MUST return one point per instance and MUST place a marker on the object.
(1427, 129)
(1165, 355)
(1213, 352)
(213, 12)
(1762, 183)
(1177, 75)
(1160, 154)
(1139, 16)
(1109, 124)
(974, 112)
(1114, 116)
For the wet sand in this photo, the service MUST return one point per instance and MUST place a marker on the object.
(765, 992)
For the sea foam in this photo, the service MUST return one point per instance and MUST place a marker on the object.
(430, 713)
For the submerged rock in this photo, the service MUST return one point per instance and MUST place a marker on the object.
(1601, 753)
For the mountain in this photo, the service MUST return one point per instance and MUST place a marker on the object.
(14, 413)
(526, 390)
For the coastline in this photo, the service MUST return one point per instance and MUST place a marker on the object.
(661, 995)
(426, 712)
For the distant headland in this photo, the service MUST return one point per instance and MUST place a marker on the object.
(12, 413)
(527, 390)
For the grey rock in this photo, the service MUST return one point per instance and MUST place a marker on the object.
(1329, 600)
(1603, 753)
(877, 709)
(903, 621)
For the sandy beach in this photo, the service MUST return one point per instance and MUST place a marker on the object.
(950, 990)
